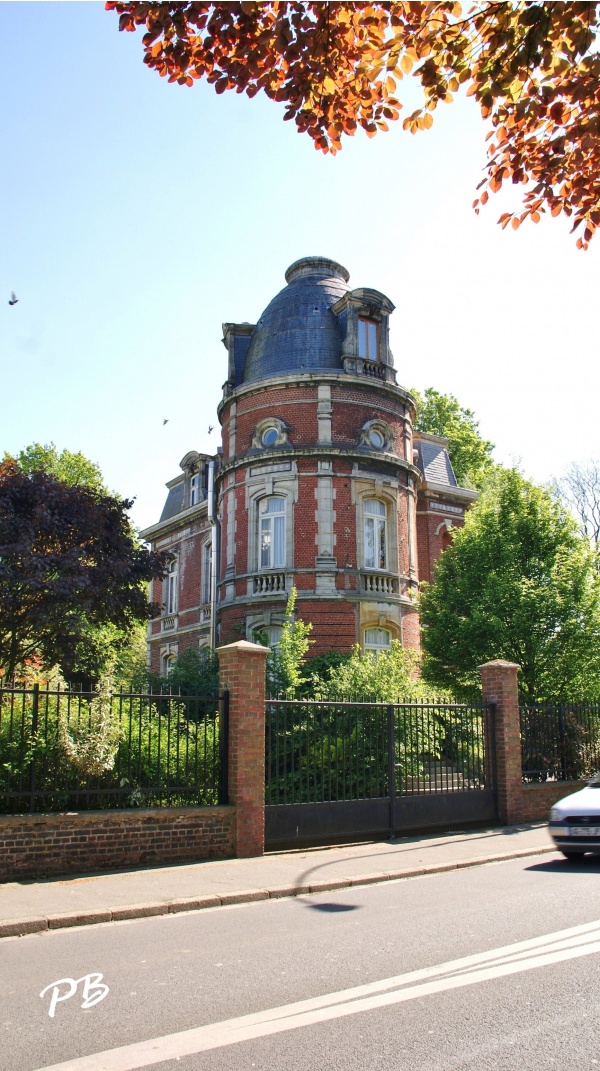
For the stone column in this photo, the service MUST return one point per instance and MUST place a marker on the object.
(500, 687)
(242, 673)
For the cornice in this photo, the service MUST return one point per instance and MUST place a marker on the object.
(163, 527)
(444, 490)
(307, 379)
(327, 451)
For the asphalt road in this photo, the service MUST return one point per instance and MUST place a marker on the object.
(370, 974)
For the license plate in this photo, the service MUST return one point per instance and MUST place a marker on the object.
(584, 831)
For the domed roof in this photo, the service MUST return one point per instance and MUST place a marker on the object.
(298, 332)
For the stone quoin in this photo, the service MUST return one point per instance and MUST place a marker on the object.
(320, 483)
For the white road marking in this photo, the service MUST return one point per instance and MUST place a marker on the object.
(456, 974)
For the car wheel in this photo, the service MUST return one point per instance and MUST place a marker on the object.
(573, 855)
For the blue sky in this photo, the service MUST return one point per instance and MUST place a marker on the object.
(138, 216)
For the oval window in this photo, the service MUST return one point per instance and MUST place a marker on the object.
(269, 437)
(376, 439)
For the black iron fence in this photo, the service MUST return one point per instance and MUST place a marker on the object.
(560, 741)
(63, 750)
(319, 752)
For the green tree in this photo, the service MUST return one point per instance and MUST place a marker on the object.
(470, 454)
(286, 660)
(75, 470)
(69, 563)
(194, 672)
(519, 582)
(376, 677)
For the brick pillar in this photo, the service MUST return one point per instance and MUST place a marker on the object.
(242, 673)
(499, 686)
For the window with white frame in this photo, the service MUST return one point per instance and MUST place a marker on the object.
(271, 532)
(195, 489)
(267, 634)
(368, 339)
(377, 639)
(167, 663)
(170, 587)
(375, 536)
(274, 634)
(206, 571)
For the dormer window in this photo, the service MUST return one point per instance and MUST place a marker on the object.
(195, 489)
(368, 339)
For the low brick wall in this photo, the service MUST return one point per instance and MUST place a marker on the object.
(536, 800)
(41, 845)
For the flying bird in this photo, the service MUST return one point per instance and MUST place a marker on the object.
(211, 427)
(165, 422)
(13, 299)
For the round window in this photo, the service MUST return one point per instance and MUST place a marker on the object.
(269, 437)
(376, 439)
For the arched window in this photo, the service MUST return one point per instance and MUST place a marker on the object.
(377, 639)
(274, 634)
(167, 664)
(375, 534)
(271, 532)
(267, 634)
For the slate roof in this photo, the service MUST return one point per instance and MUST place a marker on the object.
(174, 503)
(297, 332)
(434, 463)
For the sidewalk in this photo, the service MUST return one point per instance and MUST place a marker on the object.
(29, 906)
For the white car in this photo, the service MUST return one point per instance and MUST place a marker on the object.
(575, 821)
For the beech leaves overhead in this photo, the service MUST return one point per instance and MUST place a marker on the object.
(532, 67)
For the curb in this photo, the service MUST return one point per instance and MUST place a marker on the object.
(18, 927)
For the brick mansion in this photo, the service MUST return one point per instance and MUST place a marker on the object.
(321, 484)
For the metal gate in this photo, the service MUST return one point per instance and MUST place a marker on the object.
(346, 771)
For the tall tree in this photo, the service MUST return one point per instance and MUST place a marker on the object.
(74, 469)
(580, 489)
(470, 454)
(532, 67)
(518, 582)
(103, 649)
(69, 562)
